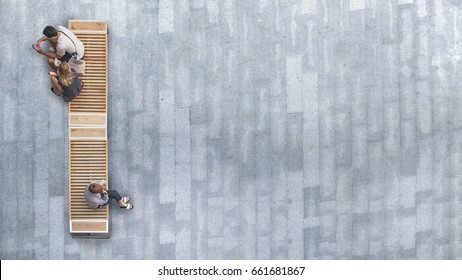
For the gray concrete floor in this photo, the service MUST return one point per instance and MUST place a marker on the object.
(271, 129)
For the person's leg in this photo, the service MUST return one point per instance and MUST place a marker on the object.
(115, 195)
(56, 88)
(51, 62)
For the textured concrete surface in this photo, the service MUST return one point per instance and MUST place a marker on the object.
(271, 129)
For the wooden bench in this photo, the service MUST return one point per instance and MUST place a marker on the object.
(88, 159)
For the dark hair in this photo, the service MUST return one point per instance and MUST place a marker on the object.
(50, 31)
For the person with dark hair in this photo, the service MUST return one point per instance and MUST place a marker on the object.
(64, 43)
(96, 196)
(50, 31)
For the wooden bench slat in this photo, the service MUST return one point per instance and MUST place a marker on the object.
(88, 25)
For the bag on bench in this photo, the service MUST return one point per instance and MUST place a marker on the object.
(74, 62)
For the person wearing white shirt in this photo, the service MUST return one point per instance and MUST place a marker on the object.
(64, 42)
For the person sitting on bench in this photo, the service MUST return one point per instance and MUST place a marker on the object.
(96, 196)
(64, 42)
(65, 81)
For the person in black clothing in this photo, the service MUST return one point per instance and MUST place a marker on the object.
(65, 81)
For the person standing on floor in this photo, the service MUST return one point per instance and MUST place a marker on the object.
(96, 196)
(64, 42)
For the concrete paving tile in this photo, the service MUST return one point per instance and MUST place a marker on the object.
(263, 219)
(198, 152)
(183, 192)
(167, 174)
(375, 116)
(104, 250)
(455, 249)
(311, 242)
(424, 165)
(376, 230)
(392, 232)
(183, 240)
(279, 251)
(360, 154)
(167, 223)
(441, 223)
(424, 107)
(440, 171)
(408, 148)
(326, 118)
(328, 227)
(182, 135)
(88, 249)
(441, 251)
(167, 252)
(326, 251)
(56, 237)
(295, 142)
(215, 248)
(199, 225)
(294, 83)
(343, 139)
(328, 177)
(440, 114)
(344, 236)
(296, 209)
(230, 129)
(215, 217)
(278, 125)
(344, 191)
(376, 171)
(408, 229)
(311, 201)
(214, 111)
(360, 235)
(424, 205)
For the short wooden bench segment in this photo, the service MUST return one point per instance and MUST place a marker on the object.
(88, 159)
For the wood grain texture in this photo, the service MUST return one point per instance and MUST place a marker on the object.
(89, 226)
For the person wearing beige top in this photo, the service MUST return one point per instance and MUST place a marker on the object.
(96, 196)
(64, 43)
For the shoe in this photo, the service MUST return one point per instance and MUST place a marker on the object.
(129, 206)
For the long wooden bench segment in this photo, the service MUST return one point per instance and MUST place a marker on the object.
(88, 160)
(93, 97)
(87, 163)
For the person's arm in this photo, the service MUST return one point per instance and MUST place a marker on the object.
(49, 55)
(42, 52)
(39, 41)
